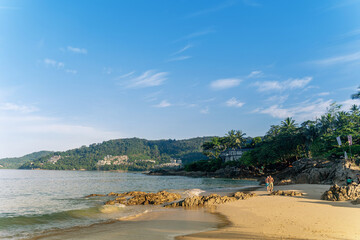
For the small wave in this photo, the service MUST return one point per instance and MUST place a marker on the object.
(193, 192)
(111, 208)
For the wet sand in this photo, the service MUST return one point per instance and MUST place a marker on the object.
(157, 225)
(280, 217)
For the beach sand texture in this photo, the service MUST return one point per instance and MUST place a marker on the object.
(280, 217)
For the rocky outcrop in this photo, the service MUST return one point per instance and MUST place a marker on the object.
(317, 172)
(286, 193)
(143, 198)
(206, 201)
(337, 193)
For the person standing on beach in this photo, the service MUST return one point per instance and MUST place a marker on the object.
(267, 183)
(271, 183)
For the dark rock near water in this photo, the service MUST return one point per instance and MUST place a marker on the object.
(95, 195)
(344, 193)
(310, 171)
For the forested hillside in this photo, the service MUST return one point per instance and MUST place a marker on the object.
(142, 154)
(16, 162)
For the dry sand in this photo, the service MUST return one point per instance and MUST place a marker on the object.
(280, 217)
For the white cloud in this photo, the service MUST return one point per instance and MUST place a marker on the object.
(301, 112)
(255, 74)
(225, 83)
(7, 106)
(205, 110)
(23, 131)
(53, 63)
(163, 104)
(277, 99)
(77, 50)
(149, 78)
(323, 94)
(182, 49)
(338, 59)
(347, 104)
(72, 71)
(180, 58)
(285, 85)
(232, 102)
(126, 75)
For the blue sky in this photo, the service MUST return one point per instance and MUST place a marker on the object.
(77, 72)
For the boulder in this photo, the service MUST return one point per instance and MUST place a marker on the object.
(344, 193)
(286, 193)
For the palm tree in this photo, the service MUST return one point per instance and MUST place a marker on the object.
(234, 139)
(288, 123)
(356, 95)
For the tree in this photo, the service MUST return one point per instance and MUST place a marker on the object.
(356, 95)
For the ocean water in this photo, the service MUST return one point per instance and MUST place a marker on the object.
(33, 202)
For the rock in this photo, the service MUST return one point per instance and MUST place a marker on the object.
(344, 193)
(200, 201)
(357, 201)
(285, 182)
(143, 198)
(95, 195)
(286, 193)
(310, 171)
(242, 195)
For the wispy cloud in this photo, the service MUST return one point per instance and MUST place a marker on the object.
(150, 78)
(277, 98)
(107, 70)
(301, 112)
(72, 71)
(7, 106)
(126, 75)
(213, 9)
(285, 85)
(53, 63)
(195, 35)
(180, 58)
(205, 110)
(323, 94)
(233, 102)
(182, 49)
(225, 83)
(255, 74)
(77, 50)
(163, 104)
(338, 59)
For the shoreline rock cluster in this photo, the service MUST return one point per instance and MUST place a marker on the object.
(143, 198)
(344, 193)
(170, 199)
(206, 201)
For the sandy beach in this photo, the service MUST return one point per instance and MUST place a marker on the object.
(280, 217)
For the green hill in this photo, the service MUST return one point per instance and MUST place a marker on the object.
(17, 162)
(140, 154)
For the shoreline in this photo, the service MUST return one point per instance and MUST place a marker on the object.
(262, 217)
(280, 217)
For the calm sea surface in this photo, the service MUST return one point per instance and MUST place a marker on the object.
(34, 202)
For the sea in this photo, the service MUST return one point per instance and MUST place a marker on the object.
(34, 203)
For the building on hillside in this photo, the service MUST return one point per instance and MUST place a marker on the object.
(54, 159)
(233, 154)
